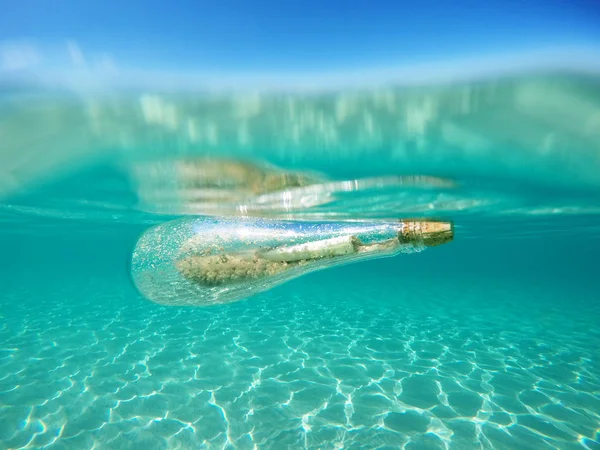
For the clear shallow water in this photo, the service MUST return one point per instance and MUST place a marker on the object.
(489, 342)
(496, 348)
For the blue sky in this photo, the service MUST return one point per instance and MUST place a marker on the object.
(309, 35)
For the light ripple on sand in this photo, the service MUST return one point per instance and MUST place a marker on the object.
(291, 371)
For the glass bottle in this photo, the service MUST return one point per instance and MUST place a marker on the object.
(207, 261)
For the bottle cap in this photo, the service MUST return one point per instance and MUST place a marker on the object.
(430, 232)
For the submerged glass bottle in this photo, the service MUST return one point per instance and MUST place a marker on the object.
(207, 261)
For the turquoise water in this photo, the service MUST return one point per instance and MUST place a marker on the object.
(488, 342)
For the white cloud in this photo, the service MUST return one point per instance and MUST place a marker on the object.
(17, 55)
(76, 54)
(105, 63)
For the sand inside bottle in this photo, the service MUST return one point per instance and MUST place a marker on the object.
(214, 270)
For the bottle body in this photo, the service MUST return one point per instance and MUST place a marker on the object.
(206, 261)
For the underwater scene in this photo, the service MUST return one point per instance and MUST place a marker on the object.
(408, 267)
